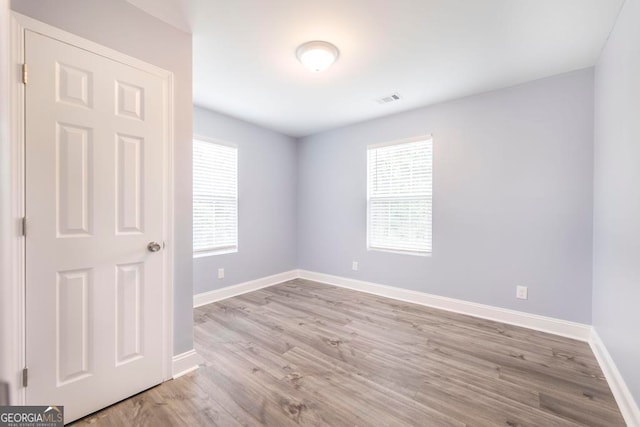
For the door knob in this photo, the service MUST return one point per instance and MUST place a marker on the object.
(154, 246)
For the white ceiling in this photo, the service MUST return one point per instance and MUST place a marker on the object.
(428, 51)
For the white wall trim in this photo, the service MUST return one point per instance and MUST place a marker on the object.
(186, 362)
(628, 406)
(17, 351)
(242, 288)
(577, 331)
(6, 215)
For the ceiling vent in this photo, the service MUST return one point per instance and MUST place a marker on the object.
(390, 98)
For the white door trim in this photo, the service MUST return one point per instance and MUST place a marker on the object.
(6, 294)
(16, 304)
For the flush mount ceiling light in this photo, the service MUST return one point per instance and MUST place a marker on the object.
(317, 55)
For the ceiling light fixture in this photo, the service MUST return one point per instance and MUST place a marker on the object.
(317, 55)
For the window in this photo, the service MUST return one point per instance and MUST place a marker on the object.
(399, 196)
(215, 198)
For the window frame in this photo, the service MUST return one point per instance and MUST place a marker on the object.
(221, 250)
(370, 248)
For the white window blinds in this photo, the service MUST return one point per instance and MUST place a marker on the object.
(399, 199)
(215, 197)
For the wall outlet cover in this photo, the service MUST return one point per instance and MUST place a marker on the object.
(522, 292)
(221, 273)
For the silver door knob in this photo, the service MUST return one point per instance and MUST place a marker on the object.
(154, 246)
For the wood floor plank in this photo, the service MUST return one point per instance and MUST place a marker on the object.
(303, 353)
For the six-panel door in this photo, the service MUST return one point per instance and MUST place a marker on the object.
(94, 200)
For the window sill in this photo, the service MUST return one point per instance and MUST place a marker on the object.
(214, 252)
(400, 252)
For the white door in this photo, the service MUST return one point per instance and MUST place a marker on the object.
(94, 202)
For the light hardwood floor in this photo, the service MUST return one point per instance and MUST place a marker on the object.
(305, 353)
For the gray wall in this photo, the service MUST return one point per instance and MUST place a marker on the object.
(512, 198)
(616, 266)
(125, 28)
(266, 203)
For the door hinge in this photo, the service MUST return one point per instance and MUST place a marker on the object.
(25, 75)
(25, 377)
(24, 226)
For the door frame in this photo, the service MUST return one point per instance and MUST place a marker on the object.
(6, 333)
(16, 305)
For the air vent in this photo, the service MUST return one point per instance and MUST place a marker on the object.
(390, 98)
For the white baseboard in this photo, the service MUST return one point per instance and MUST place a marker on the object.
(551, 325)
(628, 406)
(577, 331)
(242, 288)
(185, 362)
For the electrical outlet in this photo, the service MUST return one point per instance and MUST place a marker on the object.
(354, 265)
(522, 292)
(221, 273)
